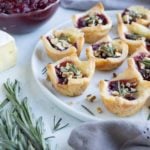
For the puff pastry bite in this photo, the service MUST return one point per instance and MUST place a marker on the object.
(140, 63)
(124, 95)
(63, 42)
(109, 54)
(134, 36)
(70, 76)
(137, 14)
(95, 23)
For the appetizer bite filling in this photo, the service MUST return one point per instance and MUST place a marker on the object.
(91, 20)
(124, 88)
(67, 70)
(130, 16)
(61, 43)
(105, 50)
(143, 64)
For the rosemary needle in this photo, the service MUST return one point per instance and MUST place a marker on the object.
(57, 124)
(44, 70)
(88, 110)
(148, 118)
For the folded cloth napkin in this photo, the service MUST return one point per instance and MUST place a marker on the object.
(108, 4)
(111, 135)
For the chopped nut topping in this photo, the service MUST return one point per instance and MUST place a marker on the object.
(115, 93)
(61, 43)
(99, 110)
(114, 75)
(91, 98)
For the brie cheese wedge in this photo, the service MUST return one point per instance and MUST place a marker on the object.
(8, 51)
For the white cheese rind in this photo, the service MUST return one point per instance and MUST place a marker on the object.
(8, 51)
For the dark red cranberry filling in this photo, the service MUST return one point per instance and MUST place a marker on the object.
(61, 79)
(124, 88)
(23, 6)
(82, 22)
(147, 44)
(145, 72)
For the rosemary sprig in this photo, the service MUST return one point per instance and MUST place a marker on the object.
(17, 127)
(109, 50)
(88, 110)
(57, 124)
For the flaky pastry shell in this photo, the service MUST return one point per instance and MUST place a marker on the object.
(94, 33)
(109, 63)
(119, 105)
(77, 37)
(74, 87)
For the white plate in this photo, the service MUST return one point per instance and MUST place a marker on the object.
(73, 105)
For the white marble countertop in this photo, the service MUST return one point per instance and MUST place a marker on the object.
(41, 106)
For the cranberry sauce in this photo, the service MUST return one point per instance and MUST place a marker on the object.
(105, 50)
(143, 64)
(23, 6)
(130, 16)
(148, 44)
(92, 20)
(124, 88)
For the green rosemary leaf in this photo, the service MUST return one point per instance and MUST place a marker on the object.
(88, 110)
(4, 103)
(62, 127)
(7, 144)
(57, 124)
(148, 118)
(17, 126)
(50, 137)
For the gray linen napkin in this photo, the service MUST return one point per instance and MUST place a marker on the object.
(108, 4)
(111, 135)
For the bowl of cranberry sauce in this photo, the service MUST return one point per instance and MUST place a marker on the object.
(24, 16)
